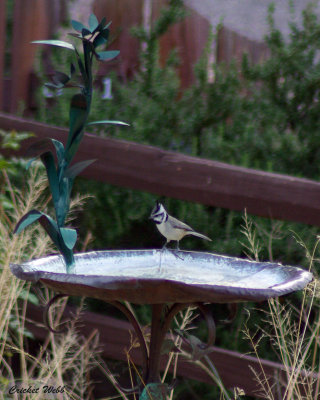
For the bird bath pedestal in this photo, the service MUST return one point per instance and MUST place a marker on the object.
(167, 280)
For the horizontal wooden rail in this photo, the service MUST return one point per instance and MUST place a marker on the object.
(235, 369)
(188, 178)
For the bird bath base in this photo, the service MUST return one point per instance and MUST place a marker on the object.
(167, 280)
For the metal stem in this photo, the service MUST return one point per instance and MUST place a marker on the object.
(46, 313)
(156, 340)
(160, 325)
(210, 323)
(138, 331)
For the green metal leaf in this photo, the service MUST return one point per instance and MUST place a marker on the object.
(101, 26)
(30, 162)
(107, 55)
(69, 237)
(77, 168)
(100, 39)
(107, 122)
(105, 33)
(107, 26)
(81, 68)
(63, 204)
(42, 146)
(77, 26)
(76, 35)
(46, 222)
(58, 43)
(27, 220)
(59, 150)
(48, 161)
(85, 32)
(87, 54)
(51, 227)
(70, 184)
(154, 391)
(93, 22)
(77, 121)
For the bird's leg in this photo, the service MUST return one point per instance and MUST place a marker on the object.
(164, 247)
(160, 261)
(175, 252)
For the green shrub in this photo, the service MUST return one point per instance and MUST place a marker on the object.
(287, 101)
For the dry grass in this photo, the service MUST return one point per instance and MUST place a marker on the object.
(292, 331)
(198, 357)
(63, 360)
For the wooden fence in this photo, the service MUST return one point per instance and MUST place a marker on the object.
(40, 19)
(184, 177)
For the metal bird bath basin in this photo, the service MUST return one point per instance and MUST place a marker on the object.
(160, 277)
(156, 277)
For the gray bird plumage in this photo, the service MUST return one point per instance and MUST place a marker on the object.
(171, 228)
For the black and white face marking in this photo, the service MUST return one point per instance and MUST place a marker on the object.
(159, 214)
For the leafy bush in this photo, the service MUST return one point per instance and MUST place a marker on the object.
(287, 100)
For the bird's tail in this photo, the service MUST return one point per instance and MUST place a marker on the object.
(200, 235)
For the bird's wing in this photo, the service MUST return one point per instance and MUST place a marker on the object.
(180, 225)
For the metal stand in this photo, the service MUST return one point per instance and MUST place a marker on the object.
(150, 387)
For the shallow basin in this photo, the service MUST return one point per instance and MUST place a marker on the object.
(157, 276)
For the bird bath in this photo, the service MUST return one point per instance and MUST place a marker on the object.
(159, 278)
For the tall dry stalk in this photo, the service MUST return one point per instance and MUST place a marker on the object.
(14, 249)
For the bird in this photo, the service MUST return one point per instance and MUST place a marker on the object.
(170, 227)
